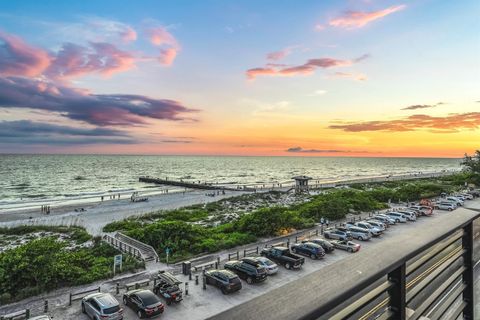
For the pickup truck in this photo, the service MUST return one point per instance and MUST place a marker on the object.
(283, 256)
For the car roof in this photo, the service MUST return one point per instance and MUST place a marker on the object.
(144, 293)
(44, 317)
(229, 274)
(167, 276)
(312, 244)
(103, 299)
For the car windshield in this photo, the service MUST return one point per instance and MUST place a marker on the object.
(268, 263)
(111, 310)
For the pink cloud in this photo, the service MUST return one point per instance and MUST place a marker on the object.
(307, 68)
(278, 55)
(128, 35)
(103, 58)
(358, 19)
(20, 59)
(447, 124)
(167, 56)
(354, 76)
(160, 36)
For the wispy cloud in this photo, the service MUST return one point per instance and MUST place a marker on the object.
(447, 124)
(278, 55)
(359, 19)
(19, 58)
(161, 37)
(104, 58)
(348, 75)
(307, 68)
(29, 132)
(318, 93)
(423, 106)
(301, 150)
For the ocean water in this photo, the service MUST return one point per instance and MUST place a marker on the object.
(35, 179)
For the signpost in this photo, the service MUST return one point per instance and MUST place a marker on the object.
(117, 261)
(167, 252)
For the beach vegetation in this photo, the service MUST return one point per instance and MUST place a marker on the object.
(46, 264)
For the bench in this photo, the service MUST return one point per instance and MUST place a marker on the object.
(80, 294)
(22, 314)
(205, 266)
(137, 284)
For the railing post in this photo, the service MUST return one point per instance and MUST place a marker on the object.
(397, 292)
(45, 306)
(468, 279)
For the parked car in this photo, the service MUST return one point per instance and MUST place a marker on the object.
(467, 196)
(270, 266)
(455, 200)
(349, 246)
(168, 287)
(424, 210)
(389, 221)
(410, 215)
(326, 245)
(101, 305)
(227, 281)
(283, 256)
(380, 225)
(475, 193)
(338, 234)
(375, 231)
(144, 302)
(246, 271)
(445, 206)
(399, 217)
(310, 249)
(359, 233)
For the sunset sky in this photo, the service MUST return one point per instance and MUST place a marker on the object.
(299, 78)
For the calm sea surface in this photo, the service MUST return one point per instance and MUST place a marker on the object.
(40, 178)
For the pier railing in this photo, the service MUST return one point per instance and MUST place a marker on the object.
(426, 276)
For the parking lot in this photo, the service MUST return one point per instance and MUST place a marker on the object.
(201, 304)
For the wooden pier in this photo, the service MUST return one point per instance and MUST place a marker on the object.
(203, 186)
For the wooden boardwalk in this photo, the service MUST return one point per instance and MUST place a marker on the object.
(203, 186)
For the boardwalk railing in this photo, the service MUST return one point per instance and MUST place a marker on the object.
(428, 276)
(123, 246)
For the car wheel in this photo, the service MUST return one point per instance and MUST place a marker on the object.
(327, 236)
(287, 265)
(83, 308)
(249, 280)
(140, 314)
(224, 291)
(169, 302)
(449, 209)
(313, 256)
(125, 301)
(350, 250)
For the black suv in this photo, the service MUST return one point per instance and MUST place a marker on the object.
(310, 249)
(225, 280)
(251, 272)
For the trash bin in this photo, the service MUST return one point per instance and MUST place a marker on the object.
(186, 267)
